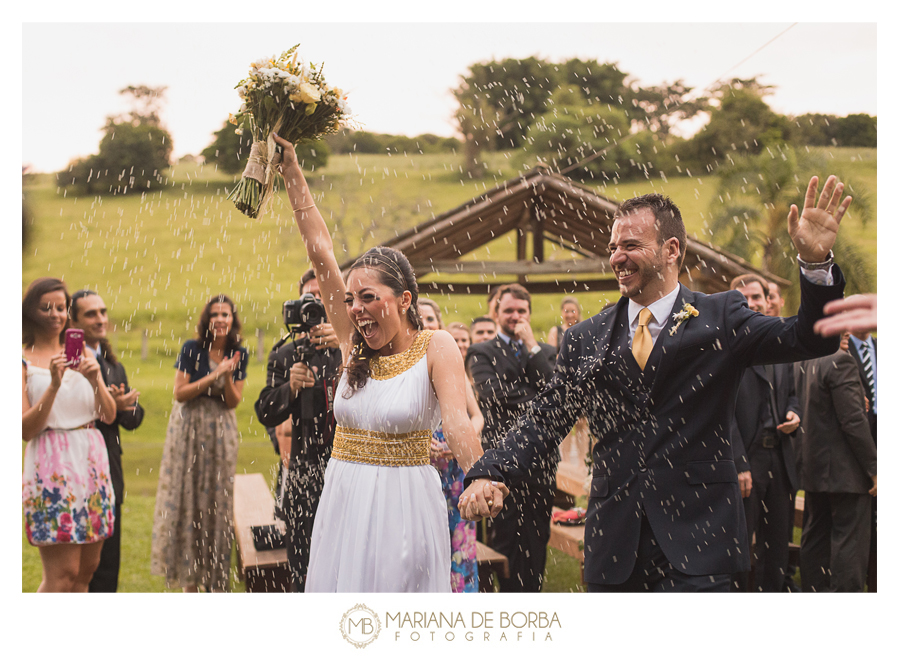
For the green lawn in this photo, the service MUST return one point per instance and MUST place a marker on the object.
(157, 258)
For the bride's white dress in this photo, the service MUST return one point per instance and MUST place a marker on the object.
(381, 524)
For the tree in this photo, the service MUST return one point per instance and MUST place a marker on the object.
(740, 123)
(749, 215)
(857, 130)
(134, 151)
(504, 97)
(664, 106)
(229, 151)
(574, 129)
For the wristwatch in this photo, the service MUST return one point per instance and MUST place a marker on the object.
(824, 265)
(535, 350)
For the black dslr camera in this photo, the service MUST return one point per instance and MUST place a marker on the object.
(301, 315)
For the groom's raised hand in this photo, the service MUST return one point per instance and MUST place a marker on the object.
(814, 230)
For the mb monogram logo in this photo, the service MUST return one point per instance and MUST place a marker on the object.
(360, 626)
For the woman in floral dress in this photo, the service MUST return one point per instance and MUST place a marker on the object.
(67, 494)
(463, 558)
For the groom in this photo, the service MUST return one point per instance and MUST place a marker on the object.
(657, 377)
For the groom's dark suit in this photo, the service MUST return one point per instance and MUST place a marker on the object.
(663, 456)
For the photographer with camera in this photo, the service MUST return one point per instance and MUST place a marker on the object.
(300, 380)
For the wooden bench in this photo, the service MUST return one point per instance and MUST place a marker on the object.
(489, 562)
(261, 571)
(267, 571)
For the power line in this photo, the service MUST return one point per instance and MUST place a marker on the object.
(709, 87)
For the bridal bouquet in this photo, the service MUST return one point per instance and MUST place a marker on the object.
(285, 96)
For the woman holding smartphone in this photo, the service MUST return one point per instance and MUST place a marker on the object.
(192, 525)
(67, 494)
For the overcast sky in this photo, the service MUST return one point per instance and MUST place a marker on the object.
(399, 75)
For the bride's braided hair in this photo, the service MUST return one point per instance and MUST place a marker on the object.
(395, 272)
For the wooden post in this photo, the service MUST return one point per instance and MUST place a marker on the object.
(260, 344)
(145, 348)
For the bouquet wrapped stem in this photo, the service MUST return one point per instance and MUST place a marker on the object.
(288, 97)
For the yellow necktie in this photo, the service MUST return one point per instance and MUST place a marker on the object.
(642, 344)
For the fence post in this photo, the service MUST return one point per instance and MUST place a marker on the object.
(144, 345)
(260, 344)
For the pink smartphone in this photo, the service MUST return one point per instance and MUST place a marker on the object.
(74, 347)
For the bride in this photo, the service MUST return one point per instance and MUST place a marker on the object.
(381, 524)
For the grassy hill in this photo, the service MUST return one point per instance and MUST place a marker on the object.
(157, 258)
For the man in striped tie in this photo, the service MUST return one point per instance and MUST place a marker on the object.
(863, 347)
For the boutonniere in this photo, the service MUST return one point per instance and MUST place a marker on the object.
(686, 312)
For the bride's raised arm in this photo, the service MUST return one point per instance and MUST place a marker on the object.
(319, 246)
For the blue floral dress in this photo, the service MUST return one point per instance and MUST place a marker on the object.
(463, 560)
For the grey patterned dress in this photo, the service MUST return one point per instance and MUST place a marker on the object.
(192, 525)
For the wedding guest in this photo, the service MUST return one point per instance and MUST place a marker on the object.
(863, 348)
(838, 474)
(570, 312)
(192, 524)
(463, 560)
(483, 328)
(774, 300)
(765, 417)
(67, 495)
(508, 372)
(89, 314)
(461, 335)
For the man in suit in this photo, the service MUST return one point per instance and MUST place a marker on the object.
(657, 377)
(483, 328)
(305, 448)
(863, 347)
(89, 314)
(774, 300)
(837, 473)
(508, 371)
(765, 417)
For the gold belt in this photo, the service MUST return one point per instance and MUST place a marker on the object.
(382, 448)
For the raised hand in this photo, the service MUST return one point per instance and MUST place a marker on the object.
(814, 230)
(857, 313)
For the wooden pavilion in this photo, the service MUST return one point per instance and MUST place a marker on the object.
(539, 207)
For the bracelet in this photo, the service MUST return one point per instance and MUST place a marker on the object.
(311, 205)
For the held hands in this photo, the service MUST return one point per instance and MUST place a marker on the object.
(814, 230)
(791, 423)
(481, 499)
(874, 490)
